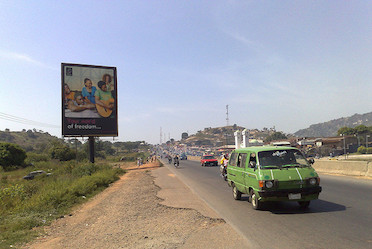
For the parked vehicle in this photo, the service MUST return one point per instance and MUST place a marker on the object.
(208, 160)
(270, 173)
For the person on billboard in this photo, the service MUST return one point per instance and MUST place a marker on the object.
(108, 80)
(104, 100)
(88, 91)
(69, 95)
(78, 104)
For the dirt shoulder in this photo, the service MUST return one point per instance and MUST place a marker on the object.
(148, 207)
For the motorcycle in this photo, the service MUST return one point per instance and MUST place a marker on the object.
(176, 163)
(223, 171)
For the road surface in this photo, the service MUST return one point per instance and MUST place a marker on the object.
(341, 218)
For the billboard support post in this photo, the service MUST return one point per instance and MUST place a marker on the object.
(91, 149)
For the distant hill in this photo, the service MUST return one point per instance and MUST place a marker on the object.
(330, 128)
(30, 140)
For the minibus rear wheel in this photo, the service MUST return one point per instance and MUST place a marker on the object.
(236, 193)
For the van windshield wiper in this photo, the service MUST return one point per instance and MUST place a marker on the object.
(271, 167)
(294, 165)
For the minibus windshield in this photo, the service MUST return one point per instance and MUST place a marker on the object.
(282, 159)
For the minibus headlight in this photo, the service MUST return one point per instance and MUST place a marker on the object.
(313, 181)
(269, 184)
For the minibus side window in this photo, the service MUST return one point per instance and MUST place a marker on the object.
(232, 160)
(252, 160)
(242, 159)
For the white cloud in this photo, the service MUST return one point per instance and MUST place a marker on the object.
(24, 58)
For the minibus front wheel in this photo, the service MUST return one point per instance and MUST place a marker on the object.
(256, 204)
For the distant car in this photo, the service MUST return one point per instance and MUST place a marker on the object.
(183, 157)
(208, 160)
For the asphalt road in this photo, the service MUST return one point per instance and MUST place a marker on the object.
(341, 218)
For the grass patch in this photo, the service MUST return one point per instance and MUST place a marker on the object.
(28, 204)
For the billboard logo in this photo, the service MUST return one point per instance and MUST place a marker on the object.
(69, 71)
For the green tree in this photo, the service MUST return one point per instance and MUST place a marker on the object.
(360, 129)
(345, 131)
(11, 155)
(107, 147)
(275, 136)
(62, 152)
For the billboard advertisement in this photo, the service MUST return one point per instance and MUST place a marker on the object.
(89, 100)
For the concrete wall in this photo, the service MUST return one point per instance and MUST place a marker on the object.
(351, 168)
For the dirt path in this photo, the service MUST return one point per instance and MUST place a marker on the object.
(130, 214)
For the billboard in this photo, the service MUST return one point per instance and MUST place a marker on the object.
(89, 100)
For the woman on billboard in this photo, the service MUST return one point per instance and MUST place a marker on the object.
(104, 100)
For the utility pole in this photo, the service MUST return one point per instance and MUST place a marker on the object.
(227, 124)
(227, 115)
(344, 146)
(367, 136)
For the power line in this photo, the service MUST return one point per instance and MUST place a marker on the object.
(20, 120)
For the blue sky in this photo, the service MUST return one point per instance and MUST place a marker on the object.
(287, 64)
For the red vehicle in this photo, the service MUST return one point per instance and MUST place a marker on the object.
(208, 160)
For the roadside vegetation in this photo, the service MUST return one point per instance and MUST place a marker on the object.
(62, 178)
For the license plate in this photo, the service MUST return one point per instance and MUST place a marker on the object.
(294, 196)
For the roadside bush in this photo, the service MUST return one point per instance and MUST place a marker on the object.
(362, 150)
(62, 152)
(82, 156)
(11, 196)
(11, 155)
(35, 157)
(85, 169)
(100, 154)
(54, 196)
(132, 157)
